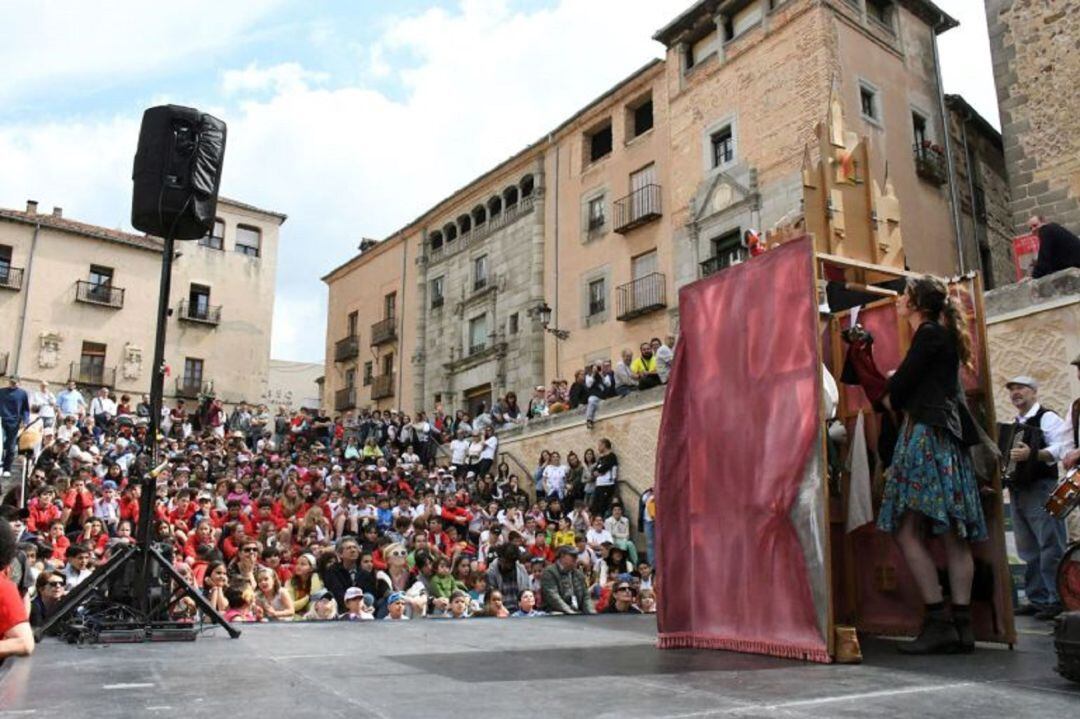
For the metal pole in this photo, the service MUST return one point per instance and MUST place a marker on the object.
(157, 390)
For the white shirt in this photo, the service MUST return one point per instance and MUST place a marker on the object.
(619, 528)
(103, 405)
(664, 357)
(491, 445)
(45, 403)
(1056, 433)
(555, 479)
(594, 538)
(458, 449)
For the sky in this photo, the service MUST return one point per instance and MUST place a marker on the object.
(350, 116)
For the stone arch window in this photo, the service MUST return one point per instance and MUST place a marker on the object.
(436, 239)
(495, 205)
(526, 186)
(479, 215)
(450, 231)
(510, 196)
(464, 224)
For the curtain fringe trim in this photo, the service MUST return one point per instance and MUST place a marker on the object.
(683, 640)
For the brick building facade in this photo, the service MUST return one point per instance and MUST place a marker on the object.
(646, 189)
(1036, 66)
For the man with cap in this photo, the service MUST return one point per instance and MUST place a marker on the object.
(563, 585)
(14, 412)
(1040, 538)
(395, 608)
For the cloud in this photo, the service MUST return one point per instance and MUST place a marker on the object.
(435, 99)
(966, 67)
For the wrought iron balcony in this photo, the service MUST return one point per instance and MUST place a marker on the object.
(99, 294)
(637, 208)
(596, 307)
(641, 296)
(192, 387)
(382, 386)
(436, 302)
(344, 399)
(11, 277)
(92, 375)
(201, 314)
(347, 348)
(596, 223)
(384, 331)
(930, 163)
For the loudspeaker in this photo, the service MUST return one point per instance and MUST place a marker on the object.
(177, 172)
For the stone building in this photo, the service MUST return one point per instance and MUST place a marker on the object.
(1036, 66)
(649, 187)
(79, 302)
(982, 190)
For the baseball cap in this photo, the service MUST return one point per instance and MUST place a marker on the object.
(353, 593)
(321, 594)
(1025, 381)
(396, 597)
(108, 484)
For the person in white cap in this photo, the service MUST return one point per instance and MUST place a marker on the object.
(1040, 537)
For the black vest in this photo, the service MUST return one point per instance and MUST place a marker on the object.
(1033, 469)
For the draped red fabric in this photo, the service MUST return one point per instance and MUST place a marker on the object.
(740, 425)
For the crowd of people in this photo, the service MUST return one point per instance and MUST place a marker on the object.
(300, 516)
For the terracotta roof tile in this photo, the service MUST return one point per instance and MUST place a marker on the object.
(144, 242)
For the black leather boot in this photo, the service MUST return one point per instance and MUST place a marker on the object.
(962, 621)
(938, 635)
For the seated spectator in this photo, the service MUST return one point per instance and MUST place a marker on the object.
(644, 368)
(51, 589)
(618, 526)
(647, 601)
(241, 599)
(396, 608)
(558, 398)
(322, 608)
(665, 356)
(578, 393)
(1059, 249)
(16, 637)
(622, 600)
(272, 602)
(538, 406)
(625, 379)
(564, 587)
(77, 569)
(527, 605)
(493, 606)
(359, 607)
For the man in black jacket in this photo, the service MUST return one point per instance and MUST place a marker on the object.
(346, 572)
(1058, 248)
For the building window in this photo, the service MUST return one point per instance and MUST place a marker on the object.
(193, 371)
(352, 323)
(688, 56)
(350, 378)
(641, 117)
(437, 292)
(527, 186)
(597, 296)
(5, 264)
(723, 147)
(390, 306)
(596, 214)
(512, 324)
(215, 239)
(478, 334)
(918, 123)
(599, 142)
(881, 12)
(743, 20)
(199, 302)
(727, 250)
(388, 363)
(869, 103)
(369, 372)
(92, 363)
(480, 273)
(248, 240)
(450, 231)
(100, 289)
(436, 240)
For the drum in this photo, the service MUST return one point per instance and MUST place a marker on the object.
(1065, 496)
(1068, 578)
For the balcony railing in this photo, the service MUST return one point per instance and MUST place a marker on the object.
(596, 307)
(637, 208)
(930, 163)
(596, 223)
(99, 294)
(92, 375)
(479, 284)
(11, 277)
(382, 386)
(384, 331)
(437, 302)
(641, 296)
(345, 399)
(192, 387)
(477, 348)
(347, 348)
(4, 363)
(202, 314)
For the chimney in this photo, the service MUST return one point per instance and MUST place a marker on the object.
(31, 207)
(58, 212)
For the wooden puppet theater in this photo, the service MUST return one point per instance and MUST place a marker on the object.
(765, 531)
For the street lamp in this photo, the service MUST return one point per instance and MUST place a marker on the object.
(543, 313)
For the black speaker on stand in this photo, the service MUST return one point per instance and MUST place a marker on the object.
(176, 179)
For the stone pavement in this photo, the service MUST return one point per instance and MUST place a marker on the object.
(553, 667)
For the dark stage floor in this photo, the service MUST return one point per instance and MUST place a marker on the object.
(553, 667)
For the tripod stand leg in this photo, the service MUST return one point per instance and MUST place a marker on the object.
(85, 588)
(199, 599)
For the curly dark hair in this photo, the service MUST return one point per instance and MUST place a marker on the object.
(930, 295)
(8, 544)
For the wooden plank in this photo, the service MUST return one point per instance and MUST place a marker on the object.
(860, 265)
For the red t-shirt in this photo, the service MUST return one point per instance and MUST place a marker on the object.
(12, 609)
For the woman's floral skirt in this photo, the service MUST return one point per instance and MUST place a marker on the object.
(932, 474)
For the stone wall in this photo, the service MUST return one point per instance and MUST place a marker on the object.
(632, 424)
(1033, 328)
(1036, 66)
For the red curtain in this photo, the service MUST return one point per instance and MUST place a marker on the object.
(739, 432)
